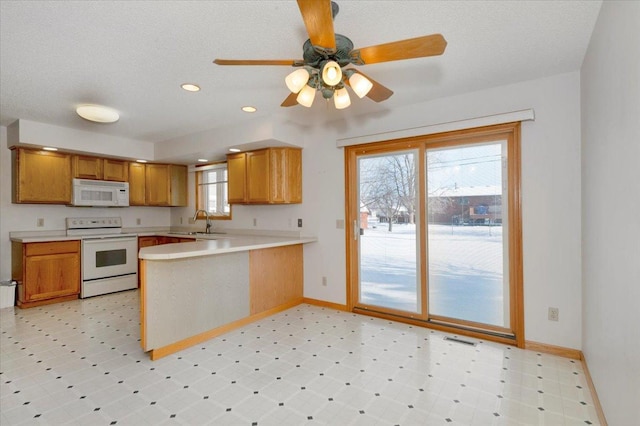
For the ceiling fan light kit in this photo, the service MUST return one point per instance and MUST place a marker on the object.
(326, 54)
(306, 96)
(297, 80)
(360, 84)
(341, 98)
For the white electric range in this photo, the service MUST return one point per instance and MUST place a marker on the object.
(109, 257)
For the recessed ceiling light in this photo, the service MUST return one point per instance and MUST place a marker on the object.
(249, 109)
(98, 113)
(234, 150)
(49, 148)
(141, 161)
(189, 87)
(202, 160)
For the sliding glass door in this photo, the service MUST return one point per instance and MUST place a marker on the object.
(467, 230)
(386, 231)
(435, 232)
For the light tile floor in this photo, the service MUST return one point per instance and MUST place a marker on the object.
(81, 363)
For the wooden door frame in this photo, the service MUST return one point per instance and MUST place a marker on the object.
(509, 132)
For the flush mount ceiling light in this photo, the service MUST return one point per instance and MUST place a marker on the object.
(234, 150)
(249, 108)
(326, 57)
(49, 148)
(190, 87)
(141, 161)
(202, 160)
(98, 113)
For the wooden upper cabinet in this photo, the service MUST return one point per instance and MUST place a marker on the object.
(137, 187)
(87, 167)
(237, 183)
(265, 176)
(41, 177)
(165, 185)
(115, 170)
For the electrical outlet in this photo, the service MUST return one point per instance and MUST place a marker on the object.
(255, 222)
(40, 222)
(324, 281)
(180, 220)
(299, 223)
(554, 314)
(138, 221)
(340, 224)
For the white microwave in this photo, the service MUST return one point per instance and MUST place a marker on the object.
(100, 193)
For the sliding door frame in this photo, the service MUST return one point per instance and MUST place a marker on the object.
(509, 132)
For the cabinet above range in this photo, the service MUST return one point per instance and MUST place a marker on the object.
(43, 177)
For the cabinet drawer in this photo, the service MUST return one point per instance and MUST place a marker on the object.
(54, 247)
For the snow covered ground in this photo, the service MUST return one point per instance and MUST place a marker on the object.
(464, 267)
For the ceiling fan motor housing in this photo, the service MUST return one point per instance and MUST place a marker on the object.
(315, 55)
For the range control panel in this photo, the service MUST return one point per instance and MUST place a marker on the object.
(93, 222)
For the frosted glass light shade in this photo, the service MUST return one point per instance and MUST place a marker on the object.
(306, 96)
(360, 84)
(98, 113)
(331, 73)
(297, 79)
(341, 98)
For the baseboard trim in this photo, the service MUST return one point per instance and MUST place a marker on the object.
(594, 394)
(158, 353)
(553, 350)
(325, 304)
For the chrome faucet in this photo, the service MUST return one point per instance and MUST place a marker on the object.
(206, 215)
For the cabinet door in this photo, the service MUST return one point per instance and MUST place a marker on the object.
(293, 176)
(85, 167)
(258, 182)
(157, 191)
(41, 177)
(178, 186)
(237, 175)
(115, 170)
(136, 184)
(51, 276)
(147, 241)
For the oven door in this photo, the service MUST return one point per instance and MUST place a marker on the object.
(111, 256)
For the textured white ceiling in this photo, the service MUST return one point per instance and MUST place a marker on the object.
(133, 56)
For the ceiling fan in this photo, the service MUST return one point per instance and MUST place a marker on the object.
(326, 54)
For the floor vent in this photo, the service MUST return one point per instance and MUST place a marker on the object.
(455, 339)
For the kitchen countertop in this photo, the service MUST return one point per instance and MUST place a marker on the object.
(203, 244)
(223, 243)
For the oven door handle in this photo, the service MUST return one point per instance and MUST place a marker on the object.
(109, 238)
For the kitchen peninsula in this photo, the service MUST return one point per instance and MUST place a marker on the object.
(194, 291)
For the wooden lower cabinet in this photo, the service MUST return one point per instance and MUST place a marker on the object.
(46, 272)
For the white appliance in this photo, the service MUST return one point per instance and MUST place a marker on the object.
(109, 257)
(100, 193)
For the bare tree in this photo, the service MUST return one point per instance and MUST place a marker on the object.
(387, 184)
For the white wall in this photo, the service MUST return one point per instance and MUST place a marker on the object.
(610, 204)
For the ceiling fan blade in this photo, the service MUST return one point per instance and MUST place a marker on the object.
(419, 47)
(290, 100)
(378, 92)
(289, 62)
(318, 20)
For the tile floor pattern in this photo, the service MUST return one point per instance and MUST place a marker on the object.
(81, 363)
